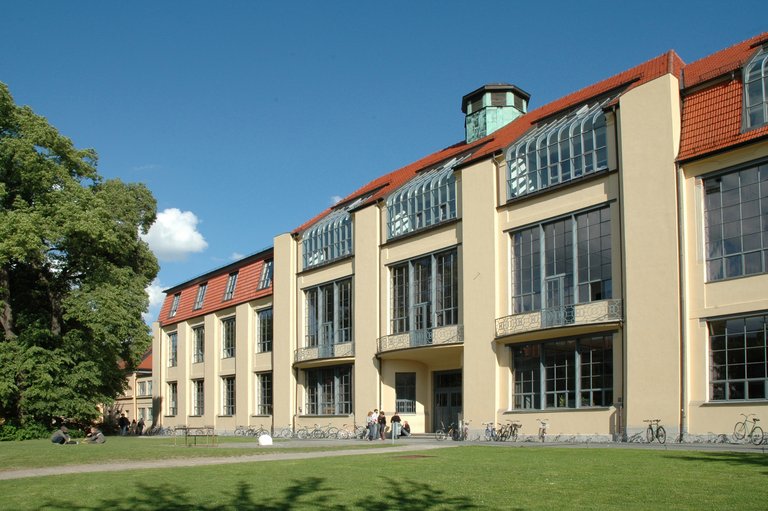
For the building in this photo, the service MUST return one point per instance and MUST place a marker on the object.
(595, 262)
(136, 402)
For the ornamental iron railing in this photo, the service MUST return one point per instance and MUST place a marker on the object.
(601, 311)
(452, 334)
(344, 349)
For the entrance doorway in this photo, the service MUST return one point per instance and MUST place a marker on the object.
(447, 403)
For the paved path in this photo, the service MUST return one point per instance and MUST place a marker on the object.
(403, 446)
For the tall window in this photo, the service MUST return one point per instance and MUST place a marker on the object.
(577, 373)
(228, 395)
(425, 292)
(559, 151)
(264, 393)
(405, 392)
(329, 391)
(198, 397)
(736, 209)
(198, 351)
(328, 240)
(329, 313)
(228, 338)
(173, 349)
(738, 358)
(756, 90)
(264, 329)
(229, 292)
(174, 305)
(428, 199)
(200, 298)
(266, 275)
(562, 262)
(173, 397)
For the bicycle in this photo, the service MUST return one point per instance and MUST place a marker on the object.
(742, 430)
(490, 431)
(655, 430)
(510, 431)
(543, 424)
(452, 431)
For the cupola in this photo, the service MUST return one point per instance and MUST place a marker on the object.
(491, 107)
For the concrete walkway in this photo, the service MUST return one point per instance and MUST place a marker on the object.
(424, 443)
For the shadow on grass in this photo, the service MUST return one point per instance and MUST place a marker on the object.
(730, 458)
(312, 492)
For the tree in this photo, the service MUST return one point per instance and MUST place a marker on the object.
(73, 273)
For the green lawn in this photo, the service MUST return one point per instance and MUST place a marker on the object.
(472, 477)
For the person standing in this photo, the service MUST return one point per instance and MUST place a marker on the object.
(369, 424)
(140, 426)
(382, 424)
(375, 422)
(123, 423)
(395, 424)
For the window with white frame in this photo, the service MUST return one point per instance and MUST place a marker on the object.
(266, 275)
(228, 395)
(228, 338)
(174, 305)
(756, 89)
(561, 150)
(173, 349)
(424, 292)
(145, 413)
(428, 199)
(198, 349)
(200, 298)
(562, 262)
(329, 391)
(229, 291)
(264, 393)
(173, 397)
(736, 220)
(144, 388)
(572, 373)
(198, 397)
(738, 359)
(329, 313)
(264, 331)
(329, 239)
(405, 392)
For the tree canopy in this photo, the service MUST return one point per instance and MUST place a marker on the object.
(73, 273)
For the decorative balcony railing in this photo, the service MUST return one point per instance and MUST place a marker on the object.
(344, 349)
(601, 311)
(452, 334)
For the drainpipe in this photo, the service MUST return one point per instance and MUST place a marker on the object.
(624, 405)
(682, 283)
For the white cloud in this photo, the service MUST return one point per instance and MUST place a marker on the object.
(174, 235)
(336, 199)
(156, 297)
(236, 256)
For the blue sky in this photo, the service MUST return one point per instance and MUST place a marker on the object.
(247, 118)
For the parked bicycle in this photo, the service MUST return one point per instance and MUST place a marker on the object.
(655, 430)
(490, 431)
(453, 432)
(543, 424)
(748, 428)
(509, 431)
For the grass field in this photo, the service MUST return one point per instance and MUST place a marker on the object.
(471, 477)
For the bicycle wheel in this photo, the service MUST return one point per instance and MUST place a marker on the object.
(302, 434)
(488, 435)
(503, 435)
(286, 433)
(649, 434)
(740, 430)
(661, 434)
(333, 433)
(756, 436)
(514, 434)
(440, 435)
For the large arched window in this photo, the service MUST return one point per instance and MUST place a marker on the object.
(428, 199)
(328, 239)
(756, 90)
(559, 151)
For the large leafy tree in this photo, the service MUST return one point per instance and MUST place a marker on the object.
(73, 273)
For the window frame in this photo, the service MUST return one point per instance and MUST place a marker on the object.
(200, 297)
(198, 344)
(329, 324)
(758, 60)
(198, 397)
(324, 397)
(173, 349)
(264, 330)
(228, 337)
(405, 392)
(174, 305)
(264, 393)
(228, 396)
(742, 351)
(173, 398)
(265, 280)
(229, 291)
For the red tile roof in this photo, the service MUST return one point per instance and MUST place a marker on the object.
(248, 276)
(713, 102)
(146, 362)
(638, 75)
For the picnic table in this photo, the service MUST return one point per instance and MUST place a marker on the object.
(206, 434)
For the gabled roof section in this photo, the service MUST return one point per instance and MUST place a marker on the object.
(249, 272)
(499, 140)
(713, 102)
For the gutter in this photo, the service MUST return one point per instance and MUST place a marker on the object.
(682, 285)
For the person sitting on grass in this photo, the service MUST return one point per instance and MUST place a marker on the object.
(94, 436)
(61, 436)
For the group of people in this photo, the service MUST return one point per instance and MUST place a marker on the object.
(94, 436)
(376, 422)
(130, 427)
